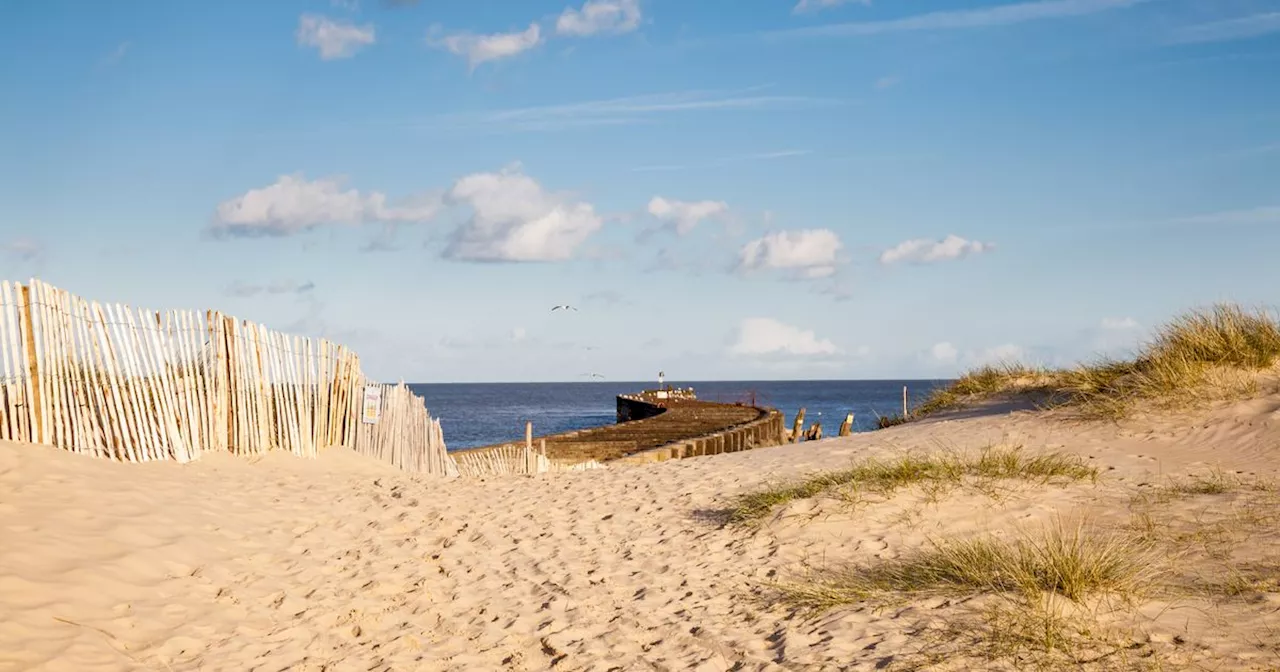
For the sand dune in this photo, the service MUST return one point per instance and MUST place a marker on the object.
(343, 564)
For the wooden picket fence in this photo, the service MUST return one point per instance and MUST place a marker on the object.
(137, 385)
(513, 459)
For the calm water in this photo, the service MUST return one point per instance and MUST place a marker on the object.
(475, 414)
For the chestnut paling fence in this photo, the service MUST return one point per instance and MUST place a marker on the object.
(137, 385)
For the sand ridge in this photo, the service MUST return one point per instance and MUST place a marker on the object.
(344, 564)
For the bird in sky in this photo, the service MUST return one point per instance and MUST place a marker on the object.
(592, 375)
(562, 308)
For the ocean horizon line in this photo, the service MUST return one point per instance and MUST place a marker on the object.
(674, 383)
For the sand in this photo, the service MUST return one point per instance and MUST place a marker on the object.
(344, 564)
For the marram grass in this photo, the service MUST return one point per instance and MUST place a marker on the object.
(1210, 353)
(1074, 562)
(884, 476)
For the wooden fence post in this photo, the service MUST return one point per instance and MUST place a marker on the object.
(33, 368)
(846, 427)
(798, 426)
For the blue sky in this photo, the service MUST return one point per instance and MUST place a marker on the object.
(725, 189)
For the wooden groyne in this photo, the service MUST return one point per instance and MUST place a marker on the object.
(671, 427)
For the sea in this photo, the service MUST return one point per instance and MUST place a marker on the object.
(481, 414)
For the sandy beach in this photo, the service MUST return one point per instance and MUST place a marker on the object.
(341, 563)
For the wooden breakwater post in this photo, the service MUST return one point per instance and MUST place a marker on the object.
(846, 427)
(798, 426)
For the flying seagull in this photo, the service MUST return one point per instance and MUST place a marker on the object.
(562, 308)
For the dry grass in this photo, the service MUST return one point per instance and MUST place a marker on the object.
(1037, 595)
(1073, 562)
(1204, 354)
(885, 476)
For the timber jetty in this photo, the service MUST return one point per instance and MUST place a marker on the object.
(656, 425)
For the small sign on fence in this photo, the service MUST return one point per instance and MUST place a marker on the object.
(372, 405)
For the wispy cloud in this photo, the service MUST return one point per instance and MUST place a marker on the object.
(244, 289)
(764, 156)
(333, 39)
(888, 81)
(807, 6)
(1261, 215)
(983, 17)
(1247, 152)
(115, 56)
(1241, 28)
(619, 111)
(683, 216)
(727, 160)
(22, 249)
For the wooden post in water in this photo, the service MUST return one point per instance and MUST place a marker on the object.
(798, 426)
(846, 427)
(904, 402)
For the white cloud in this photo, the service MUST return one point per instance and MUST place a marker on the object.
(23, 249)
(685, 215)
(349, 5)
(1119, 323)
(294, 204)
(515, 219)
(944, 352)
(334, 39)
(925, 250)
(600, 16)
(764, 336)
(1240, 28)
(982, 17)
(1000, 354)
(946, 355)
(805, 6)
(811, 253)
(479, 49)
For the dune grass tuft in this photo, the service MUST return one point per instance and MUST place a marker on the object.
(884, 476)
(1216, 482)
(1071, 561)
(1201, 354)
